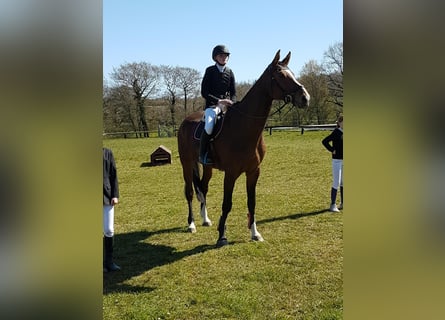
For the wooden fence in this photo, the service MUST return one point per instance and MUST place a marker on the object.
(156, 133)
(302, 128)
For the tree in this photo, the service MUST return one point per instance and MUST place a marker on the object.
(188, 79)
(119, 112)
(241, 89)
(315, 81)
(142, 78)
(333, 68)
(171, 83)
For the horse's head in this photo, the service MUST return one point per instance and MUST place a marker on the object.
(284, 84)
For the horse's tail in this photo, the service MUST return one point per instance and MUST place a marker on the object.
(197, 182)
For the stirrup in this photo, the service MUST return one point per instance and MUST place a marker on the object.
(111, 267)
(206, 160)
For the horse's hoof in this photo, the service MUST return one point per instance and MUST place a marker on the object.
(221, 242)
(258, 238)
(191, 230)
(207, 223)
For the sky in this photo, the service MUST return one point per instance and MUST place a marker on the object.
(183, 33)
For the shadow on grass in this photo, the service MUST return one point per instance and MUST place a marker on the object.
(151, 164)
(135, 256)
(293, 216)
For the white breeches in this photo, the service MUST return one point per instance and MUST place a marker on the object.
(337, 173)
(210, 115)
(108, 221)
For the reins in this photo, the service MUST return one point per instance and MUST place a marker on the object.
(246, 114)
(279, 109)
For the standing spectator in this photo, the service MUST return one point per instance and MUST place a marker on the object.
(111, 198)
(218, 90)
(334, 144)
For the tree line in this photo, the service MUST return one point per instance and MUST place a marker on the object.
(144, 98)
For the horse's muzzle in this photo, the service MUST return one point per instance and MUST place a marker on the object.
(300, 101)
(305, 98)
(305, 101)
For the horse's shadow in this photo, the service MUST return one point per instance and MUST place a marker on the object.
(293, 216)
(135, 256)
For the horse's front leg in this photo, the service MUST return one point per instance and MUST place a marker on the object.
(202, 196)
(251, 181)
(189, 180)
(229, 183)
(188, 191)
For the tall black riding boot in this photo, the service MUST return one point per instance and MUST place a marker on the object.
(341, 198)
(109, 265)
(204, 156)
(333, 195)
(333, 207)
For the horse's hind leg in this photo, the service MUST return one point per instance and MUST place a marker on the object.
(251, 181)
(206, 222)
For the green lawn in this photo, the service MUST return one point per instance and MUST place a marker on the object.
(167, 273)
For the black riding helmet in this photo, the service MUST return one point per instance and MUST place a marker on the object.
(219, 49)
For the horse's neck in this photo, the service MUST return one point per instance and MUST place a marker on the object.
(253, 112)
(257, 102)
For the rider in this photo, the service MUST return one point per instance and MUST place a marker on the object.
(218, 90)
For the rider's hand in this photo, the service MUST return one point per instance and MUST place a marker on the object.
(225, 102)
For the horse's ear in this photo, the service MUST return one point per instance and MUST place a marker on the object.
(276, 59)
(286, 60)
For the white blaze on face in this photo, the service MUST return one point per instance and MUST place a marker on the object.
(292, 76)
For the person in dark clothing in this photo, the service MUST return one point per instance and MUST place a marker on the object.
(111, 198)
(218, 90)
(334, 144)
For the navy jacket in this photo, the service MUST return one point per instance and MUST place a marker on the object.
(336, 137)
(218, 84)
(111, 184)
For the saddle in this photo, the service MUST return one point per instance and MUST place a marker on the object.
(216, 129)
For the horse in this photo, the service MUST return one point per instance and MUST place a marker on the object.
(239, 146)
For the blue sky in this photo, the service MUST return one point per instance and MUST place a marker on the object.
(183, 33)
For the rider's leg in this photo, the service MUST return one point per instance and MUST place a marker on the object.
(209, 116)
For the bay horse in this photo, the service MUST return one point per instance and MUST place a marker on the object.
(239, 146)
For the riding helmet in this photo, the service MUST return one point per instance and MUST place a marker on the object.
(219, 49)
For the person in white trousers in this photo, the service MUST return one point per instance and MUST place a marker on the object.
(111, 198)
(334, 144)
(218, 90)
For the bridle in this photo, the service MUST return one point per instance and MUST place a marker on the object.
(288, 96)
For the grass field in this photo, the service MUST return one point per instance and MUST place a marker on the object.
(167, 273)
